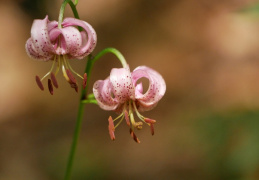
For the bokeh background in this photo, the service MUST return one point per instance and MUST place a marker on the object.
(207, 123)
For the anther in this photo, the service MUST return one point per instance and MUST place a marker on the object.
(126, 114)
(111, 128)
(50, 87)
(152, 129)
(54, 80)
(70, 76)
(150, 121)
(39, 83)
(74, 86)
(84, 80)
(133, 135)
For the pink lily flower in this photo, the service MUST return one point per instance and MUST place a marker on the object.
(50, 42)
(122, 93)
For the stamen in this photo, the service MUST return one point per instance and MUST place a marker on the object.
(138, 114)
(70, 76)
(119, 121)
(71, 79)
(134, 136)
(69, 67)
(39, 83)
(111, 128)
(152, 129)
(150, 121)
(75, 87)
(53, 64)
(50, 87)
(85, 80)
(118, 117)
(126, 114)
(54, 80)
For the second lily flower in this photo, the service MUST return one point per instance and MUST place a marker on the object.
(121, 92)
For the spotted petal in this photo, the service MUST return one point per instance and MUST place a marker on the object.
(156, 89)
(69, 38)
(121, 81)
(103, 93)
(39, 45)
(87, 47)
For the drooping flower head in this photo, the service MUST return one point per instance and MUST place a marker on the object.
(49, 42)
(122, 93)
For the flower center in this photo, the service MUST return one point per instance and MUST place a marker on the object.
(128, 113)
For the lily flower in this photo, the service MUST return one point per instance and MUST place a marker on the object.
(49, 42)
(122, 93)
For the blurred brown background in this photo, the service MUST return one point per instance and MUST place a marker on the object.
(207, 123)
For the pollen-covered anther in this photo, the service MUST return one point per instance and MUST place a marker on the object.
(39, 83)
(50, 87)
(150, 121)
(111, 128)
(72, 80)
(133, 135)
(71, 77)
(84, 80)
(54, 80)
(138, 125)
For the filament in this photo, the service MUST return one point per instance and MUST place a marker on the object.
(53, 64)
(69, 66)
(119, 121)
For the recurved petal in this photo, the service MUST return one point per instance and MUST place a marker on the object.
(30, 49)
(89, 46)
(156, 89)
(72, 39)
(40, 39)
(52, 25)
(103, 94)
(138, 89)
(121, 81)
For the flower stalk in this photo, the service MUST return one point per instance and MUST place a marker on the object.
(62, 9)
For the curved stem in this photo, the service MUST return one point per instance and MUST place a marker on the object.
(113, 51)
(62, 9)
(84, 101)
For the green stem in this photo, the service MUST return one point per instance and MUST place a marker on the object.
(113, 51)
(78, 126)
(84, 101)
(89, 101)
(62, 9)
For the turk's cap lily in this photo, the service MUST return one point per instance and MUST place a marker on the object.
(48, 40)
(122, 93)
(121, 86)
